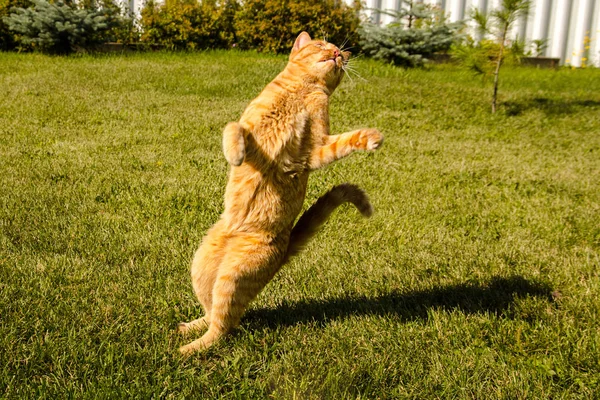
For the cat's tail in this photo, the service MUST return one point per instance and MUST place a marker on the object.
(313, 218)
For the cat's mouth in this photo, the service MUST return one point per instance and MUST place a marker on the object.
(338, 60)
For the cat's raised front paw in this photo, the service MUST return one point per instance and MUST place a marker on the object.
(234, 145)
(235, 152)
(373, 137)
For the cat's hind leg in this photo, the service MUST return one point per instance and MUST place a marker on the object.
(205, 266)
(247, 267)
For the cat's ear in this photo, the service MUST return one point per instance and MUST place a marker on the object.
(301, 41)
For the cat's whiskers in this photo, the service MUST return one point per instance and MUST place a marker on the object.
(348, 68)
(343, 44)
(356, 74)
(346, 72)
(351, 61)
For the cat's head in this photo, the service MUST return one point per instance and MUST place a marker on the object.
(319, 59)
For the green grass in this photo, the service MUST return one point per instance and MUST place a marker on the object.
(478, 276)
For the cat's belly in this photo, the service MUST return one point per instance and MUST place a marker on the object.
(269, 205)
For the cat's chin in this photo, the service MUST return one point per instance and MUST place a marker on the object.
(331, 67)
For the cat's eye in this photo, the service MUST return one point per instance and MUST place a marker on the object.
(319, 45)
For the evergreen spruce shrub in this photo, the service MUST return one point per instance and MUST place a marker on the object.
(272, 25)
(59, 28)
(8, 39)
(125, 28)
(419, 31)
(189, 24)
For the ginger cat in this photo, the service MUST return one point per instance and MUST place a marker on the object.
(282, 135)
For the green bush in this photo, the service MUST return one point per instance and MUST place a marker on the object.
(189, 24)
(60, 28)
(272, 25)
(127, 29)
(420, 31)
(266, 25)
(8, 40)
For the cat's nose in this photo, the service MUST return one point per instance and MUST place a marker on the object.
(336, 53)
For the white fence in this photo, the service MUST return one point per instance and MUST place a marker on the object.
(571, 28)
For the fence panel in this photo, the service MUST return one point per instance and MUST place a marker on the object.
(570, 28)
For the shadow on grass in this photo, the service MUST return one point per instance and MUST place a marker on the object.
(549, 106)
(495, 296)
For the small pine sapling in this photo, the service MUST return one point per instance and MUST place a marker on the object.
(539, 47)
(487, 56)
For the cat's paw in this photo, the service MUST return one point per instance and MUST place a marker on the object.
(234, 144)
(197, 346)
(184, 328)
(187, 350)
(372, 138)
(236, 153)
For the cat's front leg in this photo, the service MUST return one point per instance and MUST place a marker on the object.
(234, 143)
(339, 146)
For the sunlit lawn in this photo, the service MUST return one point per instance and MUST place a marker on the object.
(478, 276)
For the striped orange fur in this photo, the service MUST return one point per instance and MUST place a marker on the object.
(282, 135)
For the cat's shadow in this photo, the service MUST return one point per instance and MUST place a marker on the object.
(495, 296)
